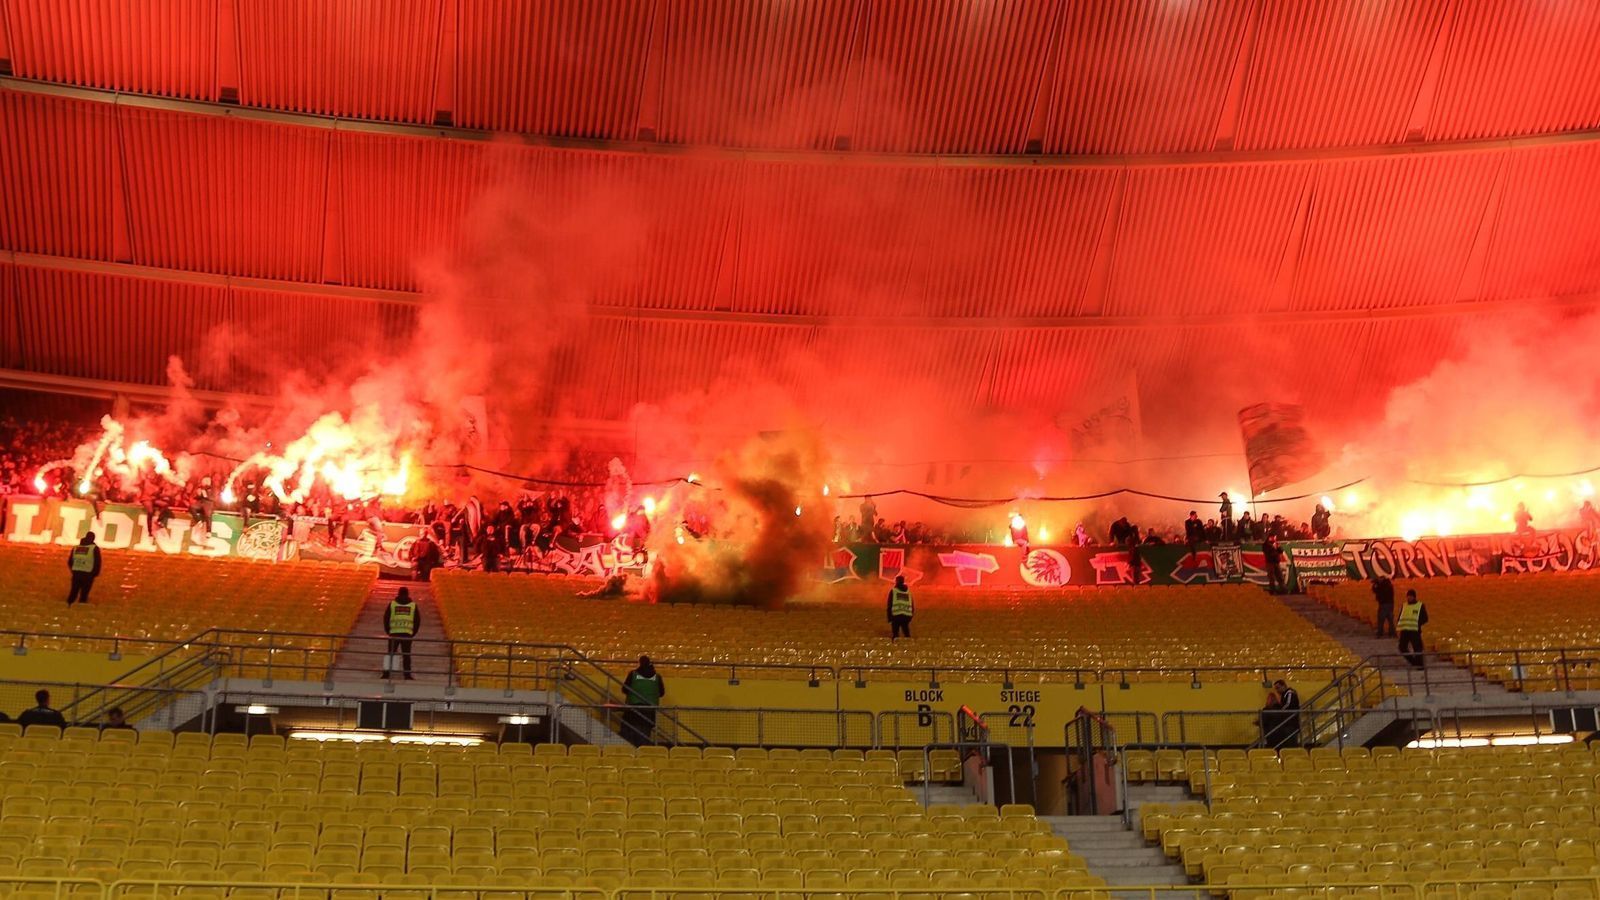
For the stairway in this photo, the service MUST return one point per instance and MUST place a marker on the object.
(1440, 681)
(958, 794)
(1119, 855)
(361, 658)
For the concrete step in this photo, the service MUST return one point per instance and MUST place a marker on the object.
(365, 646)
(1157, 793)
(1085, 824)
(1148, 857)
(1098, 840)
(1442, 678)
(1138, 874)
(1115, 853)
(945, 794)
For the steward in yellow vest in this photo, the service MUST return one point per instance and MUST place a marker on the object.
(1409, 624)
(900, 609)
(400, 621)
(83, 561)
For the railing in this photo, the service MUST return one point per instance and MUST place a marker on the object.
(1188, 729)
(906, 728)
(1135, 729)
(1007, 676)
(726, 727)
(1526, 669)
(166, 708)
(1013, 733)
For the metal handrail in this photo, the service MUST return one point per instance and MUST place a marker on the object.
(1565, 658)
(756, 720)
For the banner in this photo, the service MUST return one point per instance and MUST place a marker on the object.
(1567, 550)
(1277, 447)
(118, 526)
(42, 520)
(984, 565)
(1313, 562)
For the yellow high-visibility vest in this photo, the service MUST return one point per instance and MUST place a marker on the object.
(1410, 617)
(900, 602)
(82, 559)
(402, 618)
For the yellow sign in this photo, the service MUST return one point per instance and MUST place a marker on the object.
(923, 708)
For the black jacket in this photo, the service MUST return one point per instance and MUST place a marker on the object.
(42, 715)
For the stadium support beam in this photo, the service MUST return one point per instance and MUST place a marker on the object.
(636, 313)
(816, 157)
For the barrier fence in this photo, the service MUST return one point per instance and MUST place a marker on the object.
(511, 666)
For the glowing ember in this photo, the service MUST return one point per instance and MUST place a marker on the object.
(797, 510)
(824, 490)
(693, 478)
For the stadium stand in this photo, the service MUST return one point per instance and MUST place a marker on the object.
(195, 807)
(162, 597)
(1149, 629)
(1534, 615)
(1387, 815)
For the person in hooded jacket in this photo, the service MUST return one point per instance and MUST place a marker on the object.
(642, 692)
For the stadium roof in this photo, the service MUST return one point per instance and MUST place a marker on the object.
(1034, 193)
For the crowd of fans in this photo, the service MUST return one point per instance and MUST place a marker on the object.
(27, 444)
(527, 525)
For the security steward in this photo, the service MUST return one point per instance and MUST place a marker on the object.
(642, 692)
(1412, 617)
(400, 621)
(900, 609)
(83, 561)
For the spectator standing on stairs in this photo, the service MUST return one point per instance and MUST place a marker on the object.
(1273, 555)
(400, 621)
(84, 563)
(1412, 617)
(1383, 592)
(642, 691)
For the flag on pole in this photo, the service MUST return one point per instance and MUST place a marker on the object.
(1277, 447)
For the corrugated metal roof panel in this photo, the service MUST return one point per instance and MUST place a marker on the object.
(1393, 231)
(755, 74)
(1202, 240)
(1144, 76)
(166, 47)
(225, 195)
(562, 67)
(57, 171)
(1336, 73)
(364, 58)
(402, 203)
(1544, 240)
(123, 329)
(1519, 68)
(950, 76)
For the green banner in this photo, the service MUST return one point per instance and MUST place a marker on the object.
(120, 526)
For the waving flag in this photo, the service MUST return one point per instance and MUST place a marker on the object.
(1277, 447)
